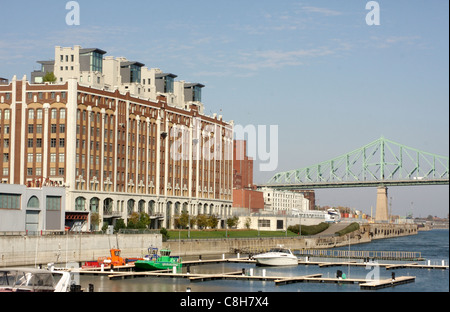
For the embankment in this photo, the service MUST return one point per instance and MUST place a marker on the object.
(365, 234)
(35, 250)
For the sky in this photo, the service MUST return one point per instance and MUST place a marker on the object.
(330, 82)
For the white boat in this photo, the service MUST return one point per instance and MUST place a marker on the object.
(33, 280)
(277, 256)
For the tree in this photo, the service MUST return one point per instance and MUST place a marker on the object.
(248, 222)
(184, 220)
(138, 220)
(213, 221)
(95, 220)
(233, 222)
(165, 234)
(120, 224)
(202, 221)
(49, 77)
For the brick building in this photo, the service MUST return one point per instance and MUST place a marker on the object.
(113, 151)
(245, 195)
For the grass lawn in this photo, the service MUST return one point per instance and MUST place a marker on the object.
(204, 234)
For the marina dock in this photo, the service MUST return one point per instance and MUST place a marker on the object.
(278, 280)
(128, 272)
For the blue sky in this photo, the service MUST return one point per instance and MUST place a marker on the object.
(314, 68)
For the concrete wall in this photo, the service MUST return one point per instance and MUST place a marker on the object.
(366, 234)
(26, 250)
(31, 250)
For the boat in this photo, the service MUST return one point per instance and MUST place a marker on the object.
(114, 260)
(278, 256)
(153, 261)
(34, 280)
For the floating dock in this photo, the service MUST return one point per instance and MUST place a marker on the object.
(278, 280)
(127, 271)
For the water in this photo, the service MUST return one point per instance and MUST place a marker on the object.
(434, 246)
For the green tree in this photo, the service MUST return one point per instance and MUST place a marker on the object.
(120, 224)
(202, 221)
(184, 220)
(248, 222)
(212, 221)
(49, 77)
(165, 234)
(138, 220)
(233, 222)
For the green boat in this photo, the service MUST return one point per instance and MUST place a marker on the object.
(153, 261)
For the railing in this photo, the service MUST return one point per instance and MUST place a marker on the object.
(361, 254)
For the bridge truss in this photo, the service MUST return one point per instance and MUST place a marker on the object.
(382, 162)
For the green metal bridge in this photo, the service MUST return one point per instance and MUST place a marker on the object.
(380, 163)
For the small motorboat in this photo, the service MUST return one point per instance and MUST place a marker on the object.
(278, 256)
(34, 280)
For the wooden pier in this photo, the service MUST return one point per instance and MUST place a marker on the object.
(278, 280)
(127, 271)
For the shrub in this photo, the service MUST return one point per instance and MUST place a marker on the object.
(351, 228)
(309, 229)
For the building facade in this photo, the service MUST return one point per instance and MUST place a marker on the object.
(284, 202)
(114, 152)
(31, 210)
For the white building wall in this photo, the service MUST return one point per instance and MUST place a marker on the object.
(284, 201)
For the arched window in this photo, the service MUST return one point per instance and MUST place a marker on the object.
(130, 206)
(93, 205)
(33, 202)
(80, 204)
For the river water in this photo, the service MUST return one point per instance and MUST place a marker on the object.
(434, 246)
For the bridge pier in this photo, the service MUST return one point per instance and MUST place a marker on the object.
(381, 212)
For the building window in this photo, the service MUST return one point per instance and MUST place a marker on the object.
(62, 113)
(33, 202)
(5, 157)
(39, 113)
(31, 114)
(264, 223)
(52, 142)
(10, 201)
(54, 113)
(53, 203)
(80, 203)
(6, 114)
(30, 171)
(30, 158)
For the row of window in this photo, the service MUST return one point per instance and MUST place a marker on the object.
(32, 114)
(53, 128)
(41, 95)
(12, 201)
(61, 142)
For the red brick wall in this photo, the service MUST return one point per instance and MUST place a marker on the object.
(248, 198)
